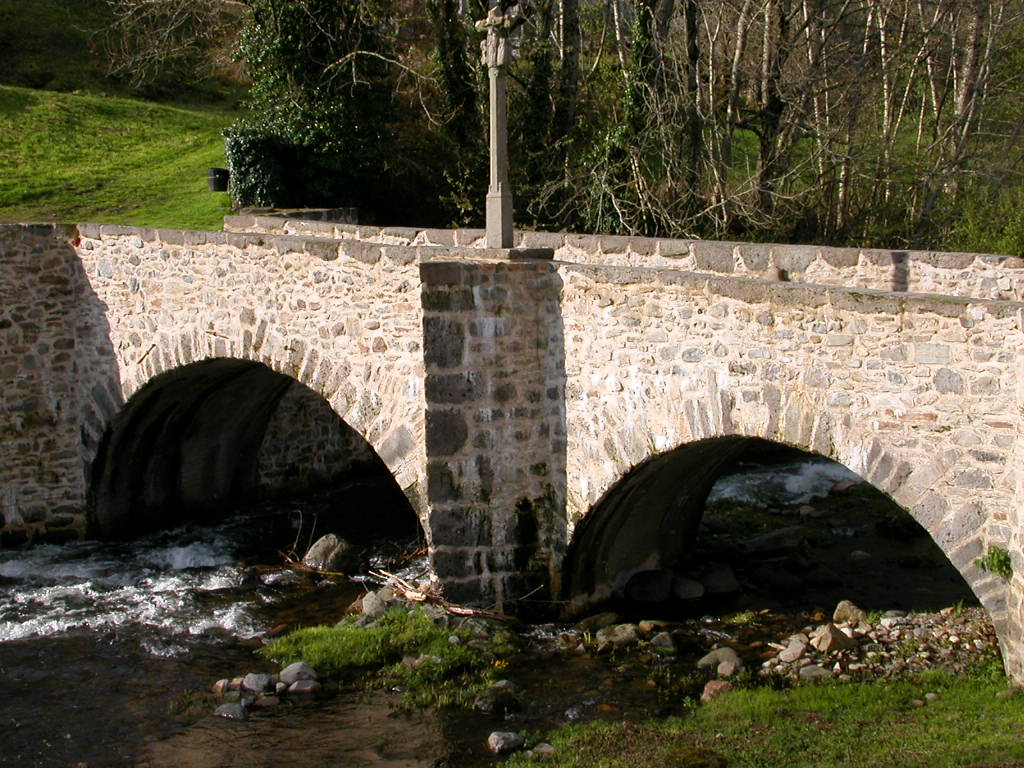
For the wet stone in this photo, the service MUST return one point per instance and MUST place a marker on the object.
(300, 670)
(300, 687)
(258, 682)
(232, 711)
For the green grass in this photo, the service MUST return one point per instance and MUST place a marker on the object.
(73, 157)
(451, 676)
(851, 725)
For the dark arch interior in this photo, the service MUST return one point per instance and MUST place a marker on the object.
(654, 543)
(188, 446)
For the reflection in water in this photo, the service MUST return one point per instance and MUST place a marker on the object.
(347, 730)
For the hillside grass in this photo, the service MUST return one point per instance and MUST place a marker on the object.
(73, 157)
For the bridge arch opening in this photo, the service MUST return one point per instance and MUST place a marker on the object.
(201, 439)
(684, 533)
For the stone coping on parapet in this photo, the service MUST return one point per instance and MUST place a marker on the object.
(747, 287)
(717, 255)
(318, 247)
(752, 290)
(983, 275)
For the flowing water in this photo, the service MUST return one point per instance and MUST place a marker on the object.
(106, 648)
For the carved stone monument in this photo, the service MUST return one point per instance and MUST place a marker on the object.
(496, 51)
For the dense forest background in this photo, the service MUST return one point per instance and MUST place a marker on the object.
(894, 123)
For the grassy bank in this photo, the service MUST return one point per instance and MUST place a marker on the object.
(841, 725)
(72, 157)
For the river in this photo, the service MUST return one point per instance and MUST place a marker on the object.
(107, 650)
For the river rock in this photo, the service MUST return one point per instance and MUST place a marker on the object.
(257, 682)
(598, 621)
(300, 687)
(232, 711)
(329, 553)
(725, 661)
(713, 689)
(504, 742)
(664, 641)
(848, 613)
(373, 606)
(829, 639)
(649, 586)
(500, 699)
(543, 750)
(300, 670)
(719, 579)
(617, 636)
(221, 687)
(685, 588)
(814, 672)
(793, 651)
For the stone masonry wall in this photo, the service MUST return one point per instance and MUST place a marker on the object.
(919, 395)
(495, 427)
(342, 318)
(307, 445)
(57, 384)
(91, 314)
(976, 275)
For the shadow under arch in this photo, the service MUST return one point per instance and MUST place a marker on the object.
(647, 525)
(224, 431)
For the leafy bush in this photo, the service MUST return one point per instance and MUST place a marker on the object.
(320, 103)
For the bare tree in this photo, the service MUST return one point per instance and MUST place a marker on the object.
(151, 38)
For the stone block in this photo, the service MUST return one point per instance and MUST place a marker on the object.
(447, 432)
(932, 354)
(712, 256)
(453, 387)
(840, 258)
(444, 341)
(949, 382)
(794, 258)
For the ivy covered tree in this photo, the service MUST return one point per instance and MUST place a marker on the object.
(320, 103)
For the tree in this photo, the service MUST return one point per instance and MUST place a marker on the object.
(320, 103)
(170, 40)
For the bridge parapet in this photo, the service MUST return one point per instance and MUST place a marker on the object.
(920, 395)
(975, 275)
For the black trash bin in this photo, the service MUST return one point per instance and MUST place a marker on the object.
(218, 179)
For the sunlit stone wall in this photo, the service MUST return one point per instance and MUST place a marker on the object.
(920, 395)
(976, 275)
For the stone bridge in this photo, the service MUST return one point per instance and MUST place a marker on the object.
(557, 423)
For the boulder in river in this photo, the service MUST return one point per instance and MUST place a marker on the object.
(649, 586)
(257, 682)
(685, 588)
(504, 742)
(300, 670)
(330, 553)
(617, 636)
(719, 579)
(724, 660)
(598, 621)
(232, 711)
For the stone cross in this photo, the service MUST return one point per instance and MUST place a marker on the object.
(496, 52)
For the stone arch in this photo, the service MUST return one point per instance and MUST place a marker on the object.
(218, 431)
(647, 519)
